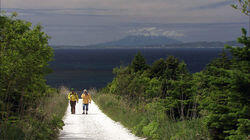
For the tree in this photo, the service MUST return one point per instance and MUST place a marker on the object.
(222, 61)
(243, 6)
(174, 68)
(171, 71)
(24, 57)
(138, 63)
(241, 53)
(158, 68)
(177, 89)
(226, 96)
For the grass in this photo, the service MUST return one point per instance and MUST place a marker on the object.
(56, 104)
(149, 124)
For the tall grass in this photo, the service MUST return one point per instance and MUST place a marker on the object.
(149, 123)
(57, 103)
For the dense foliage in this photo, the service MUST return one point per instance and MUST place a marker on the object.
(227, 96)
(24, 57)
(219, 95)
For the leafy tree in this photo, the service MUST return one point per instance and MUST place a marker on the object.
(24, 57)
(158, 68)
(179, 96)
(172, 68)
(138, 85)
(121, 81)
(153, 89)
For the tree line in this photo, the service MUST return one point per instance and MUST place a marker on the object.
(219, 94)
(24, 58)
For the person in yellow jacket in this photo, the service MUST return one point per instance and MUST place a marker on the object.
(86, 99)
(73, 97)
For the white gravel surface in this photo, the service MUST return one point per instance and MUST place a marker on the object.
(94, 126)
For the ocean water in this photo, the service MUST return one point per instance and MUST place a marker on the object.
(92, 68)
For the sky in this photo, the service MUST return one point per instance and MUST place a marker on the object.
(88, 22)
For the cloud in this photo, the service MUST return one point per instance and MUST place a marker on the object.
(154, 31)
(154, 11)
(68, 11)
(214, 5)
(172, 34)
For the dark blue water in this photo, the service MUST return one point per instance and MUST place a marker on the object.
(93, 68)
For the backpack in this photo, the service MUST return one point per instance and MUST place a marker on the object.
(71, 96)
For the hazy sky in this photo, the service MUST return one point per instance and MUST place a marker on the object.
(84, 22)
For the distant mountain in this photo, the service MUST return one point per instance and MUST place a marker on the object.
(137, 41)
(151, 42)
(203, 44)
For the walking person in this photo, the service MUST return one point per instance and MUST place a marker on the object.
(73, 97)
(86, 99)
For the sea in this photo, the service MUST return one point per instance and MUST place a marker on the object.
(92, 68)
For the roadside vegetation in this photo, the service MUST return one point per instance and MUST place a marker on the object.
(165, 101)
(29, 109)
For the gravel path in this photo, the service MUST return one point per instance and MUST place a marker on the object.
(94, 126)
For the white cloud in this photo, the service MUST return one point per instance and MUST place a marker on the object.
(172, 34)
(153, 31)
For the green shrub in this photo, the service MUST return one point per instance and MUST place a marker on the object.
(137, 129)
(42, 122)
(149, 120)
(151, 130)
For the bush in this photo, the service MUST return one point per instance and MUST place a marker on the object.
(42, 122)
(149, 120)
(151, 130)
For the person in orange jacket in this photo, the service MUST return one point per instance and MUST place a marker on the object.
(86, 99)
(73, 97)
